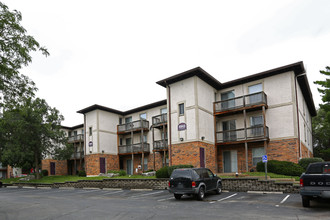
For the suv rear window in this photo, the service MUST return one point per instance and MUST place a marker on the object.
(181, 173)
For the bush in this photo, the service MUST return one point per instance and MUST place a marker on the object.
(171, 168)
(281, 167)
(162, 173)
(120, 172)
(81, 173)
(304, 162)
(44, 172)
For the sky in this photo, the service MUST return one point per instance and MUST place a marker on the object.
(112, 53)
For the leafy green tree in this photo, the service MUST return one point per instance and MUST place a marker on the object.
(15, 52)
(321, 123)
(30, 131)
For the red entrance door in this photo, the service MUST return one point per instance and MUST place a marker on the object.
(52, 168)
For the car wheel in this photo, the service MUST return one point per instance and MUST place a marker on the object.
(178, 196)
(218, 190)
(201, 193)
(305, 201)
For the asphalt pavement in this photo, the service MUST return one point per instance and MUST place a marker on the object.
(31, 203)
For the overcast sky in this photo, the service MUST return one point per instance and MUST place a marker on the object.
(112, 53)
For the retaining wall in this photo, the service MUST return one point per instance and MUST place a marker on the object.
(230, 184)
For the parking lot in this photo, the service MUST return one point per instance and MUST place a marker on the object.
(31, 203)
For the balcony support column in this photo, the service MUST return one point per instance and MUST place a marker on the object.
(153, 146)
(245, 143)
(142, 146)
(265, 129)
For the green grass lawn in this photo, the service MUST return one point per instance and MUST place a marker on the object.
(62, 179)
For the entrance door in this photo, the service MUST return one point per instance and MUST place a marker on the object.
(102, 165)
(202, 156)
(230, 161)
(129, 168)
(52, 168)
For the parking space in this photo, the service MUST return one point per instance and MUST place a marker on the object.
(30, 203)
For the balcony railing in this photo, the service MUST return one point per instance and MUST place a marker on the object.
(249, 134)
(246, 101)
(159, 119)
(161, 145)
(79, 137)
(135, 125)
(135, 148)
(77, 155)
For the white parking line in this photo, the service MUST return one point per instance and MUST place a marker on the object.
(160, 200)
(225, 198)
(147, 194)
(283, 200)
(94, 190)
(113, 192)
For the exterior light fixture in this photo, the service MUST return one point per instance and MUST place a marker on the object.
(181, 139)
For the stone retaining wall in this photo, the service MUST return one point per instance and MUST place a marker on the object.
(230, 184)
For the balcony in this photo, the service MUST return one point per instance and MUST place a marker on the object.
(160, 145)
(159, 120)
(76, 138)
(77, 155)
(255, 133)
(249, 102)
(135, 148)
(133, 126)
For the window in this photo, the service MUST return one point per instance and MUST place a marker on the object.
(69, 133)
(163, 111)
(82, 131)
(257, 88)
(128, 120)
(145, 164)
(229, 130)
(231, 101)
(75, 133)
(128, 141)
(257, 123)
(164, 135)
(181, 109)
(143, 116)
(143, 139)
(257, 155)
(120, 142)
(90, 131)
(120, 121)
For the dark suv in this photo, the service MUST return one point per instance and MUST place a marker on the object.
(193, 181)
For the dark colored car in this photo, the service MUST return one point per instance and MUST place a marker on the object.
(194, 181)
(315, 182)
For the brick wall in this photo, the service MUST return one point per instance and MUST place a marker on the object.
(61, 166)
(284, 150)
(92, 163)
(231, 184)
(189, 153)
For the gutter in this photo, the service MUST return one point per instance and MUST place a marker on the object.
(169, 125)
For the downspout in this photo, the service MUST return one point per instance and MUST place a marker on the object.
(169, 125)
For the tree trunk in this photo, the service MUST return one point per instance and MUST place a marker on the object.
(36, 161)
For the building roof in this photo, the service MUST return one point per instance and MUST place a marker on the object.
(123, 113)
(74, 127)
(298, 69)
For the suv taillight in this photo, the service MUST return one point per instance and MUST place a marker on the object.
(169, 184)
(193, 184)
(301, 182)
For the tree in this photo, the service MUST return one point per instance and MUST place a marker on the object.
(15, 52)
(28, 132)
(321, 123)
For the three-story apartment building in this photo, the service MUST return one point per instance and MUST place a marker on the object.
(226, 127)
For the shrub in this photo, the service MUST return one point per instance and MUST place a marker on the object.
(120, 172)
(44, 172)
(162, 173)
(171, 168)
(281, 167)
(81, 173)
(304, 162)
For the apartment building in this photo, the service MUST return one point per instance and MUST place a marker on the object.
(71, 166)
(226, 127)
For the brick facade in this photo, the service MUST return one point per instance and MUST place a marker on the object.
(284, 150)
(61, 166)
(92, 163)
(189, 153)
